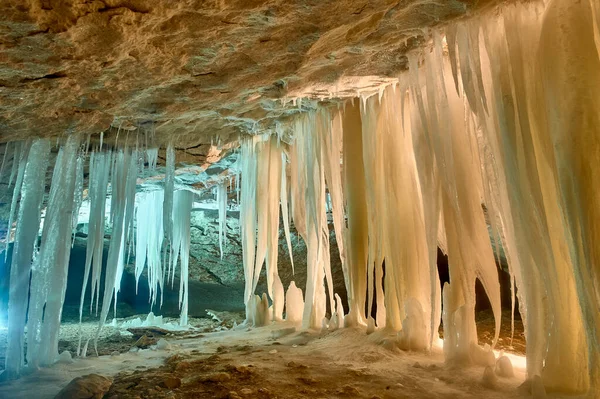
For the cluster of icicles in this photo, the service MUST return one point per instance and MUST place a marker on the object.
(38, 274)
(502, 110)
(501, 113)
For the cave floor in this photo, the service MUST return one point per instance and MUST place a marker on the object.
(274, 362)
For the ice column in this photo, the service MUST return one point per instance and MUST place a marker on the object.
(49, 271)
(28, 223)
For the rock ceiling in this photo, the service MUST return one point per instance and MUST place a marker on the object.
(192, 70)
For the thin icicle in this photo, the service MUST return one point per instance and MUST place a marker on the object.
(20, 167)
(222, 203)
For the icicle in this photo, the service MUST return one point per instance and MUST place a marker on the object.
(121, 213)
(15, 162)
(356, 240)
(20, 167)
(285, 210)
(7, 148)
(49, 272)
(78, 195)
(168, 202)
(152, 157)
(28, 222)
(183, 201)
(99, 172)
(222, 202)
(248, 218)
(149, 241)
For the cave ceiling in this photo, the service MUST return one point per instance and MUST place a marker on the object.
(195, 72)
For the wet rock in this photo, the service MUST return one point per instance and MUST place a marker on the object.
(504, 367)
(217, 377)
(144, 342)
(91, 386)
(170, 382)
(489, 379)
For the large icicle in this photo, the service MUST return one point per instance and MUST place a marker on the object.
(183, 201)
(124, 176)
(168, 201)
(248, 219)
(49, 271)
(356, 240)
(19, 170)
(149, 240)
(28, 223)
(285, 209)
(99, 172)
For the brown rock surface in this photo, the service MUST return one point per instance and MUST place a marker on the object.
(91, 386)
(191, 70)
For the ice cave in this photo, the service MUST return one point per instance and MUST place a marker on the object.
(299, 199)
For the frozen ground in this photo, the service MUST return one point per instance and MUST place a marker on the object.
(275, 361)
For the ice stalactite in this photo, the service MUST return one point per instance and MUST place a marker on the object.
(152, 157)
(28, 223)
(248, 219)
(78, 196)
(356, 238)
(18, 169)
(222, 204)
(123, 180)
(262, 165)
(7, 149)
(285, 213)
(49, 270)
(149, 241)
(99, 173)
(168, 201)
(470, 255)
(310, 219)
(183, 201)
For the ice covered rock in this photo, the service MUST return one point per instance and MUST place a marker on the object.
(162, 344)
(482, 356)
(504, 367)
(489, 379)
(65, 358)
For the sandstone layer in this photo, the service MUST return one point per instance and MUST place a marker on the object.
(195, 70)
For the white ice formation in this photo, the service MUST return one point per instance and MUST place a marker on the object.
(498, 116)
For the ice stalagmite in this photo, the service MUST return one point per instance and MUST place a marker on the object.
(49, 271)
(28, 222)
